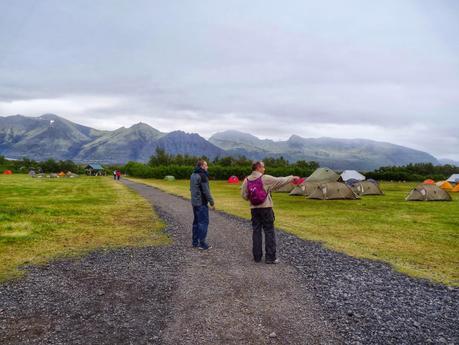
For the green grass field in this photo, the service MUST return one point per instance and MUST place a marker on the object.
(417, 238)
(41, 219)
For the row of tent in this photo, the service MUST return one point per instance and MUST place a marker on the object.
(445, 185)
(325, 184)
(53, 175)
(69, 174)
(429, 190)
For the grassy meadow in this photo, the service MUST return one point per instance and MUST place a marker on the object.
(418, 238)
(41, 219)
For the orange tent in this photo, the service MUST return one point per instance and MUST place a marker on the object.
(62, 174)
(446, 186)
(455, 189)
(233, 180)
(8, 172)
(429, 181)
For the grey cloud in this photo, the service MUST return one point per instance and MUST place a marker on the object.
(269, 66)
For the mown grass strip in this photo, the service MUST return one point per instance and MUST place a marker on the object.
(41, 219)
(418, 238)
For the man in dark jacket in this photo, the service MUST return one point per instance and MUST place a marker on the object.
(200, 198)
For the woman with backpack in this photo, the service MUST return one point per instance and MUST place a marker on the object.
(256, 189)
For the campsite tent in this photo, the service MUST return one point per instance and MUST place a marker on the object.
(304, 189)
(455, 189)
(352, 174)
(366, 188)
(8, 172)
(286, 189)
(332, 191)
(429, 181)
(323, 175)
(61, 174)
(428, 192)
(454, 178)
(233, 180)
(169, 178)
(351, 181)
(445, 185)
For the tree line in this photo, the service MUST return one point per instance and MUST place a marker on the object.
(24, 165)
(161, 164)
(180, 166)
(414, 172)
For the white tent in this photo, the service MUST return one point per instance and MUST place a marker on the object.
(352, 174)
(453, 178)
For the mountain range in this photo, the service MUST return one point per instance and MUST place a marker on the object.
(51, 136)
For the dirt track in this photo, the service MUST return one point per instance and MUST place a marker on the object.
(223, 297)
(179, 295)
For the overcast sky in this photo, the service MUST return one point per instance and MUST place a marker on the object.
(385, 70)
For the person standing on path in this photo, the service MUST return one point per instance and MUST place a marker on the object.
(118, 175)
(200, 198)
(257, 188)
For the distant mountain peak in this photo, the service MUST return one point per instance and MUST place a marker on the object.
(140, 125)
(232, 133)
(295, 137)
(50, 116)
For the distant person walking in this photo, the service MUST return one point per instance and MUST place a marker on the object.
(200, 198)
(118, 175)
(257, 189)
(114, 174)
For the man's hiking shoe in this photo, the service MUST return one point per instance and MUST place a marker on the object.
(205, 248)
(272, 262)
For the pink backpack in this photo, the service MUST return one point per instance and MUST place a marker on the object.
(256, 192)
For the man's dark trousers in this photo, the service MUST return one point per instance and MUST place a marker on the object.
(263, 218)
(200, 225)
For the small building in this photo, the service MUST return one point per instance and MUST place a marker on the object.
(95, 169)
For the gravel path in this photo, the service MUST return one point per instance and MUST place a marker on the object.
(223, 297)
(179, 295)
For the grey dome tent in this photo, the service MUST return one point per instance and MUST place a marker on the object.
(323, 175)
(366, 188)
(351, 181)
(428, 192)
(304, 189)
(169, 178)
(333, 191)
(352, 174)
(286, 189)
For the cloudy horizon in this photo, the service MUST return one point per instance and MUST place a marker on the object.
(386, 72)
